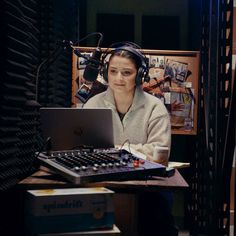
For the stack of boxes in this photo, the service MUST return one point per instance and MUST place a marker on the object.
(72, 211)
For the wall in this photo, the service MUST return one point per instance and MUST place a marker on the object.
(138, 8)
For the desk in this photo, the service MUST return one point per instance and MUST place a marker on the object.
(126, 200)
(44, 179)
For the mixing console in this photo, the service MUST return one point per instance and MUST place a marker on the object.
(84, 166)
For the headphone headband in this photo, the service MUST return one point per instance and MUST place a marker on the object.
(135, 52)
(143, 70)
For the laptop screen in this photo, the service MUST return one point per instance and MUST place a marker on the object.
(74, 128)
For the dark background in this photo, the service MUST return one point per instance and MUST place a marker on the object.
(31, 35)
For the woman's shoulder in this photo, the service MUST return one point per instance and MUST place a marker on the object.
(152, 98)
(156, 103)
(96, 100)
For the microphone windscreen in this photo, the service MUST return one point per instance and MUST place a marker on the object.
(91, 72)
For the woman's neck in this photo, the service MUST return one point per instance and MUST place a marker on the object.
(123, 102)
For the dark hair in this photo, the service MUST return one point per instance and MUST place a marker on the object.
(127, 54)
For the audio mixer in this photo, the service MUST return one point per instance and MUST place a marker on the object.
(84, 166)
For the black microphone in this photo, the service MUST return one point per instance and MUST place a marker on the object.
(93, 66)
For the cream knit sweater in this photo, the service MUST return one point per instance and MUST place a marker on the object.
(145, 125)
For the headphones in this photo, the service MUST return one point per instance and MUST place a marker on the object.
(143, 70)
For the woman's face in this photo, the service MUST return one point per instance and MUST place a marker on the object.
(121, 74)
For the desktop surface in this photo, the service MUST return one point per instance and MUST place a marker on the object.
(45, 178)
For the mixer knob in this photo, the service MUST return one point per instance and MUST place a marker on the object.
(136, 163)
(96, 165)
(118, 164)
(142, 161)
(103, 165)
(84, 168)
(76, 168)
(126, 159)
(95, 168)
(110, 164)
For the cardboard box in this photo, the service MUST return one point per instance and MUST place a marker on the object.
(69, 210)
(108, 232)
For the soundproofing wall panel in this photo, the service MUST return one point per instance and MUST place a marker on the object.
(30, 31)
(18, 109)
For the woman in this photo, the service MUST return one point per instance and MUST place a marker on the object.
(143, 120)
(138, 117)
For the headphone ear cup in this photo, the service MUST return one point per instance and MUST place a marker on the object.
(105, 71)
(139, 77)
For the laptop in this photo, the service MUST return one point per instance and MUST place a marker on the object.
(73, 131)
(75, 128)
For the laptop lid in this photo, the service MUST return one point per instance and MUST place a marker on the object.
(73, 128)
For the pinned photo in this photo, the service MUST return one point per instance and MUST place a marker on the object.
(83, 93)
(156, 62)
(82, 61)
(153, 61)
(177, 71)
(182, 106)
(161, 60)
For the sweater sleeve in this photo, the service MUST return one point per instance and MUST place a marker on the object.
(159, 134)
